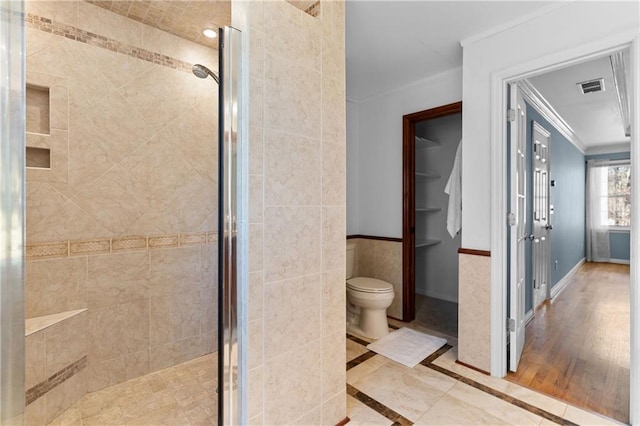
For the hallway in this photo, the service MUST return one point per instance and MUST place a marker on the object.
(577, 346)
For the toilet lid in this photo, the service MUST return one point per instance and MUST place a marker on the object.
(369, 285)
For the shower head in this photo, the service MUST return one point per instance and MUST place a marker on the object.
(201, 71)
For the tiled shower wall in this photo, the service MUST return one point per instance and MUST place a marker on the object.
(122, 223)
(297, 212)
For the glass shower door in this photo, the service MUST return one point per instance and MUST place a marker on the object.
(12, 142)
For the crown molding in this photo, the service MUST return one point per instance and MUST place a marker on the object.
(537, 101)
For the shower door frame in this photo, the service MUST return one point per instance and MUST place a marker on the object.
(233, 232)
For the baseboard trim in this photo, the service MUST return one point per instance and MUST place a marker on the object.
(343, 421)
(620, 261)
(556, 289)
(528, 317)
(373, 237)
(437, 296)
(479, 370)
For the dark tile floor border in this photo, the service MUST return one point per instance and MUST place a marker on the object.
(428, 362)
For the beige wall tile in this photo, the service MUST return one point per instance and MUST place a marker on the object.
(474, 310)
(174, 270)
(55, 285)
(333, 301)
(255, 392)
(118, 278)
(334, 375)
(292, 170)
(36, 413)
(34, 359)
(178, 351)
(100, 21)
(292, 95)
(292, 314)
(65, 12)
(292, 242)
(118, 330)
(175, 316)
(102, 374)
(256, 146)
(383, 260)
(334, 233)
(334, 172)
(256, 295)
(256, 197)
(256, 343)
(291, 384)
(280, 22)
(66, 343)
(137, 364)
(65, 395)
(256, 241)
(333, 109)
(334, 410)
(256, 102)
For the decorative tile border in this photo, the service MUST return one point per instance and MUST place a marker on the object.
(129, 243)
(428, 362)
(46, 250)
(191, 239)
(89, 247)
(63, 30)
(96, 246)
(58, 378)
(164, 241)
(314, 9)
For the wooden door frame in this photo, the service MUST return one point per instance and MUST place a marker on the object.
(409, 122)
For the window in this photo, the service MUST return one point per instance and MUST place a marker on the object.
(616, 196)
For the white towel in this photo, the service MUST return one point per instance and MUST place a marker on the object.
(454, 190)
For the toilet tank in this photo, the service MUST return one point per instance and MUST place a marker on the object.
(351, 258)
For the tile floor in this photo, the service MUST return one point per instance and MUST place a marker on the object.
(180, 395)
(441, 392)
(380, 392)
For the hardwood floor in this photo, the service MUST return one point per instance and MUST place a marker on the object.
(577, 346)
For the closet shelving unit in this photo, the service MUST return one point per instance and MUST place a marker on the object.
(425, 145)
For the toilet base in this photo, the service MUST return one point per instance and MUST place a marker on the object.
(353, 327)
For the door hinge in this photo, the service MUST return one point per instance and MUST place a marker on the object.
(511, 115)
(511, 219)
(511, 325)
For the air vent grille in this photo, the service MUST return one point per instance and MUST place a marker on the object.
(591, 86)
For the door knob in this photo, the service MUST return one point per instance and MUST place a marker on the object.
(548, 227)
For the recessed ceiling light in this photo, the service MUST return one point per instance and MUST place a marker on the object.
(208, 32)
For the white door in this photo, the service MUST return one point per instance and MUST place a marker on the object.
(518, 222)
(540, 218)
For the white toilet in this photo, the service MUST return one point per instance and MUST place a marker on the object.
(367, 302)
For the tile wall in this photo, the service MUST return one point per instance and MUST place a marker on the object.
(122, 222)
(297, 212)
(382, 260)
(474, 311)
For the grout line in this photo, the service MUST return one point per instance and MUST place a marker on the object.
(359, 360)
(428, 362)
(378, 407)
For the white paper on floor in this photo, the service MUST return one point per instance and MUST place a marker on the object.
(407, 346)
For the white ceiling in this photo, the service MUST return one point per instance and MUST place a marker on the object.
(393, 43)
(595, 117)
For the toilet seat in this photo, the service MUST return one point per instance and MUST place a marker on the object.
(369, 285)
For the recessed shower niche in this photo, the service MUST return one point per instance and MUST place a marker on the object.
(38, 112)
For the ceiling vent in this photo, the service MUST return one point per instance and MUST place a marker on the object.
(591, 86)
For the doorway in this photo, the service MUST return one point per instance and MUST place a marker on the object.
(430, 263)
(572, 350)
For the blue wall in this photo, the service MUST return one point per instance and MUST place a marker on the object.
(619, 241)
(568, 169)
